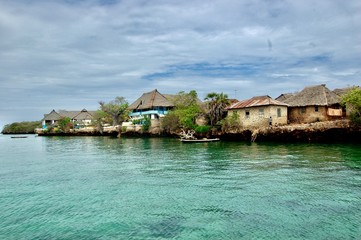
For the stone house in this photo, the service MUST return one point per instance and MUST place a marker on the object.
(259, 111)
(313, 104)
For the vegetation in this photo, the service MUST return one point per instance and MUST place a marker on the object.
(65, 124)
(170, 123)
(101, 118)
(116, 110)
(202, 129)
(21, 127)
(216, 103)
(231, 123)
(352, 101)
(146, 124)
(186, 110)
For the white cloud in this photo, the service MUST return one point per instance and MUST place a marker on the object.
(75, 53)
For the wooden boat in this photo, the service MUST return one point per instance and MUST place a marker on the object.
(184, 140)
(19, 136)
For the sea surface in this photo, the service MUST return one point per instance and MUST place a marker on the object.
(160, 188)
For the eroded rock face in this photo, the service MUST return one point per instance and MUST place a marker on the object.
(324, 132)
(332, 135)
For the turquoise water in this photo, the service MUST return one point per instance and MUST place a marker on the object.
(109, 188)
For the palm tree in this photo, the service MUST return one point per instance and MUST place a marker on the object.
(217, 103)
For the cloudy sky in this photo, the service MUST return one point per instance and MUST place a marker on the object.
(70, 54)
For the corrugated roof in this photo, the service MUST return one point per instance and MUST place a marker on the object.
(318, 95)
(257, 102)
(150, 100)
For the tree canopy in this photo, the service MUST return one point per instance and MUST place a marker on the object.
(115, 109)
(216, 103)
(352, 101)
(185, 111)
(21, 127)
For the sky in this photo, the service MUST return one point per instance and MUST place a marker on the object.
(71, 54)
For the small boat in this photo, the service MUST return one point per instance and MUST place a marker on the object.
(199, 140)
(19, 136)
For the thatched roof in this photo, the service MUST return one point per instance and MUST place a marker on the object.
(76, 115)
(170, 97)
(284, 96)
(84, 115)
(343, 91)
(69, 114)
(256, 102)
(150, 100)
(52, 116)
(318, 95)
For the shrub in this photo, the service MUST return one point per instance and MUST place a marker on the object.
(65, 124)
(21, 127)
(202, 129)
(352, 101)
(231, 123)
(146, 124)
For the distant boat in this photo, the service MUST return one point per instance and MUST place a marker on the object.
(199, 140)
(19, 136)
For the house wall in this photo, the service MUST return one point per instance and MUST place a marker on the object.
(255, 117)
(308, 114)
(83, 121)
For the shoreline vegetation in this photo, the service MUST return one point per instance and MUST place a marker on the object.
(339, 131)
(312, 118)
(21, 127)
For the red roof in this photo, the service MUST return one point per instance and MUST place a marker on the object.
(257, 102)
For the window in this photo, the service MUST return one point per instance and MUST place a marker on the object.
(247, 114)
(279, 113)
(261, 112)
(303, 110)
(316, 108)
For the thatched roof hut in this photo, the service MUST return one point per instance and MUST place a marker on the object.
(284, 96)
(318, 95)
(52, 116)
(343, 91)
(151, 100)
(73, 115)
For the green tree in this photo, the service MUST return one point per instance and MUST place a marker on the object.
(185, 111)
(21, 127)
(352, 101)
(146, 124)
(216, 104)
(170, 123)
(100, 118)
(231, 122)
(183, 100)
(116, 109)
(65, 124)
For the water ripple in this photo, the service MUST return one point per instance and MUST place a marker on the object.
(109, 188)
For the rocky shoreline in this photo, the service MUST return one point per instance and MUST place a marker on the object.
(332, 135)
(321, 132)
